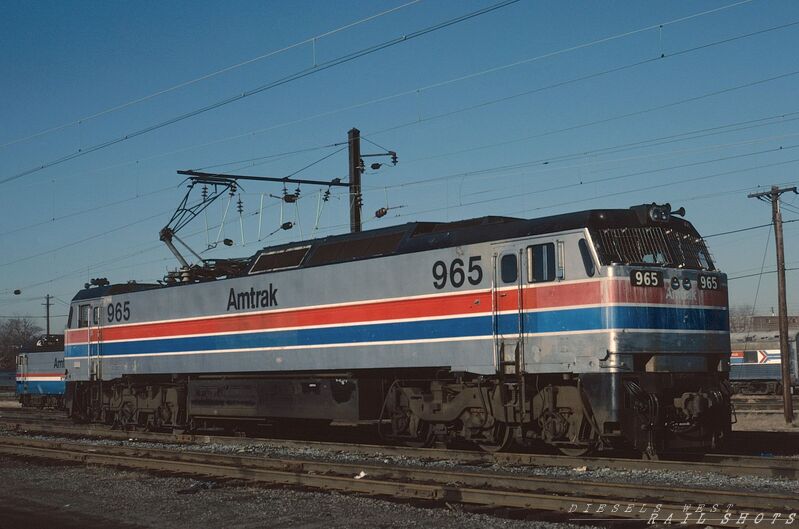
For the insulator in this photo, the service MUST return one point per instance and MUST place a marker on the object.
(326, 197)
(287, 225)
(240, 206)
(205, 193)
(380, 213)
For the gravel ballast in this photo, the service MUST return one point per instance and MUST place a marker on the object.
(39, 494)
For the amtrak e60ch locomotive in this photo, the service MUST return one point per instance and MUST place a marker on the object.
(584, 331)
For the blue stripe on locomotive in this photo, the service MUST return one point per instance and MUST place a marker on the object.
(54, 387)
(579, 319)
(756, 372)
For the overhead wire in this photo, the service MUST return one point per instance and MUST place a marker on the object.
(266, 157)
(517, 194)
(207, 76)
(470, 203)
(418, 89)
(381, 147)
(637, 112)
(760, 274)
(92, 209)
(493, 69)
(635, 64)
(582, 182)
(487, 200)
(264, 87)
(737, 126)
(116, 259)
(745, 229)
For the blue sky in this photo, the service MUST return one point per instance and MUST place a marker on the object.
(533, 109)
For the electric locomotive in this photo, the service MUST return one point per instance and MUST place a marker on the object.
(584, 331)
(40, 373)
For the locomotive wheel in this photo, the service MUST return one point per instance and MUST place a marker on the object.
(125, 415)
(501, 438)
(424, 436)
(575, 451)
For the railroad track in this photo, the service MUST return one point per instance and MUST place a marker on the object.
(570, 498)
(761, 403)
(742, 442)
(729, 465)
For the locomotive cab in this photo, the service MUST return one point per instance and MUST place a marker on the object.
(668, 354)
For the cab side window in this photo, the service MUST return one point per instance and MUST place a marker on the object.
(509, 268)
(588, 261)
(83, 315)
(541, 259)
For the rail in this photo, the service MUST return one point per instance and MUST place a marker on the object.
(451, 486)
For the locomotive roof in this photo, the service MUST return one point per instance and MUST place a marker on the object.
(422, 236)
(416, 237)
(109, 290)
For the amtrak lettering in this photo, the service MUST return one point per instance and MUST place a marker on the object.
(254, 299)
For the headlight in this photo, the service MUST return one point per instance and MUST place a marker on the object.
(660, 213)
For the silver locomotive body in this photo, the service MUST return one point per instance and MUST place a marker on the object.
(582, 330)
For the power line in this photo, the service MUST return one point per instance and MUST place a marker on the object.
(483, 72)
(268, 86)
(267, 156)
(745, 229)
(652, 142)
(481, 201)
(116, 259)
(500, 168)
(311, 40)
(761, 273)
(92, 209)
(85, 239)
(594, 181)
(628, 114)
(546, 161)
(516, 194)
(560, 83)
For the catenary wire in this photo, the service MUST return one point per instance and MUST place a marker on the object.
(206, 76)
(418, 89)
(262, 88)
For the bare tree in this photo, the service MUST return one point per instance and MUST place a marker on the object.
(15, 334)
(741, 318)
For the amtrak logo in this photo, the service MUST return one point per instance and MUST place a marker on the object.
(681, 294)
(252, 299)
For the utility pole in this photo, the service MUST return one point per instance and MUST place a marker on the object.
(356, 168)
(47, 311)
(773, 196)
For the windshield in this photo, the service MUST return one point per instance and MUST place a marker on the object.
(655, 245)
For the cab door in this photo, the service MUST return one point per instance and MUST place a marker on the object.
(508, 311)
(22, 373)
(94, 342)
